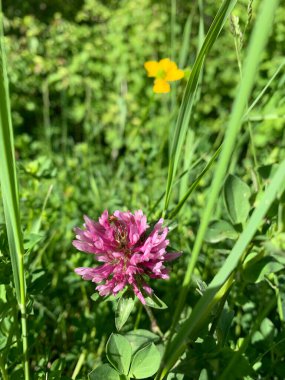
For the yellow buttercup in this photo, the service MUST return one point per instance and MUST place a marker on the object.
(163, 71)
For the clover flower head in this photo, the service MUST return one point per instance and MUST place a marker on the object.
(163, 71)
(130, 252)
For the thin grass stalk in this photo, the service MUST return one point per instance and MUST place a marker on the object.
(185, 111)
(262, 92)
(238, 45)
(46, 112)
(188, 157)
(9, 187)
(3, 369)
(185, 44)
(259, 38)
(223, 279)
(193, 186)
(173, 95)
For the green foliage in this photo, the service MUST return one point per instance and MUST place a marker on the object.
(90, 135)
(133, 356)
(236, 195)
(124, 308)
(119, 353)
(145, 362)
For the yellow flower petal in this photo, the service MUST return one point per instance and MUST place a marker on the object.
(152, 68)
(161, 86)
(165, 64)
(174, 74)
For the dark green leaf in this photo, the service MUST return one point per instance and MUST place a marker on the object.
(256, 271)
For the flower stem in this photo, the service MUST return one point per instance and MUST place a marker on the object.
(154, 326)
(79, 364)
(3, 369)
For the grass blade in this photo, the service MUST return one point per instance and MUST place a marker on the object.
(257, 44)
(194, 185)
(212, 295)
(8, 179)
(190, 92)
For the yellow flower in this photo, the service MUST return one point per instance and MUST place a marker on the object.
(163, 71)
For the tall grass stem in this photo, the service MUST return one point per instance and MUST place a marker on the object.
(10, 197)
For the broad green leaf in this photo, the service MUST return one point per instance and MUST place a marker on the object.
(124, 309)
(203, 375)
(220, 230)
(155, 302)
(145, 362)
(119, 353)
(104, 372)
(95, 297)
(280, 283)
(140, 338)
(236, 196)
(175, 376)
(3, 293)
(267, 329)
(256, 271)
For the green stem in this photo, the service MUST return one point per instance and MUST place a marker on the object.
(154, 326)
(46, 112)
(137, 322)
(10, 196)
(253, 151)
(79, 364)
(3, 369)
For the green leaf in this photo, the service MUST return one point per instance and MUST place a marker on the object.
(140, 338)
(220, 230)
(203, 375)
(224, 324)
(267, 329)
(31, 240)
(145, 362)
(123, 310)
(95, 297)
(105, 372)
(256, 271)
(119, 353)
(236, 197)
(155, 302)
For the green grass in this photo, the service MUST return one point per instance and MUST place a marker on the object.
(10, 197)
(89, 134)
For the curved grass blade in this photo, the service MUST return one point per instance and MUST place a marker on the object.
(190, 93)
